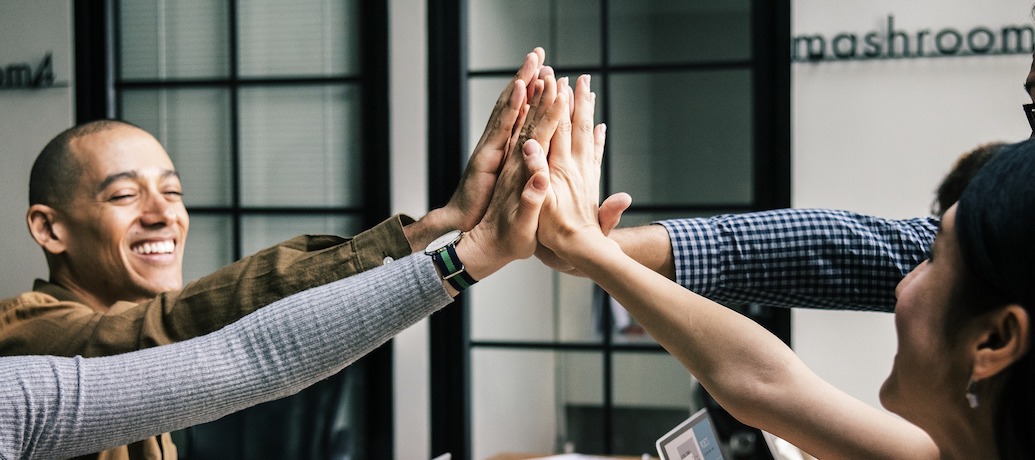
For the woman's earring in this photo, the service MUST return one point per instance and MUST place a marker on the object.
(972, 397)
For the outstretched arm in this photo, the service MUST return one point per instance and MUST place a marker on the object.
(748, 370)
(60, 407)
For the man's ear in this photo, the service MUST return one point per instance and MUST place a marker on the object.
(1005, 340)
(46, 229)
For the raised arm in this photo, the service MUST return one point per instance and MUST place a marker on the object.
(66, 406)
(747, 369)
(814, 258)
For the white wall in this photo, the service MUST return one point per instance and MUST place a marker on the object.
(28, 119)
(877, 136)
(408, 99)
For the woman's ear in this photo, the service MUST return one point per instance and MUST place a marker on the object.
(1005, 340)
(45, 228)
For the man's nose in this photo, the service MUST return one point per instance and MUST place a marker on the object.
(158, 210)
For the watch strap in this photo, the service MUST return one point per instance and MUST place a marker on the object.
(451, 268)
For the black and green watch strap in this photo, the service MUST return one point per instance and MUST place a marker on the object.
(451, 269)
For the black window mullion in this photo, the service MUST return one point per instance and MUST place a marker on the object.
(449, 348)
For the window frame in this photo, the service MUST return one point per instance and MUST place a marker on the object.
(451, 345)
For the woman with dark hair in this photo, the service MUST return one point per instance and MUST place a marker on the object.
(962, 380)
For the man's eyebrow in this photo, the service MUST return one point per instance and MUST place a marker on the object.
(131, 175)
(115, 177)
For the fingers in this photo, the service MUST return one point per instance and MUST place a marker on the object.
(599, 138)
(582, 141)
(540, 122)
(560, 143)
(508, 106)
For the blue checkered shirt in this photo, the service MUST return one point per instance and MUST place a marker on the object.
(816, 258)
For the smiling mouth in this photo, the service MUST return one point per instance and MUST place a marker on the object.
(151, 248)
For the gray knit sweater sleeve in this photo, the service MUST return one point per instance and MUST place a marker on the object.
(60, 407)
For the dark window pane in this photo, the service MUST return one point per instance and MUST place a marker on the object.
(676, 31)
(682, 137)
(502, 31)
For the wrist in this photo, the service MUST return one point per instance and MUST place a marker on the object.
(477, 256)
(422, 232)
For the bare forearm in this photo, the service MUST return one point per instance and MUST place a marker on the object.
(649, 245)
(734, 357)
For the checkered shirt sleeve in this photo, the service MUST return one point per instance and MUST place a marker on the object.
(814, 258)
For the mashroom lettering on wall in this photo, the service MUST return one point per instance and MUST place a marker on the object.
(893, 43)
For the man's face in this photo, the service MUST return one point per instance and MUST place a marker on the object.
(126, 225)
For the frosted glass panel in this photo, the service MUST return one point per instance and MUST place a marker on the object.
(653, 379)
(298, 38)
(194, 127)
(261, 232)
(668, 31)
(209, 246)
(514, 304)
(518, 398)
(652, 393)
(300, 146)
(169, 39)
(682, 137)
(501, 32)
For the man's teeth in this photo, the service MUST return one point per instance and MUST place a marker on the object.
(162, 247)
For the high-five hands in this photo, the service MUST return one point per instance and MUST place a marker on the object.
(571, 209)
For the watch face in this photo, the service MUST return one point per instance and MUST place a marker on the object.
(443, 241)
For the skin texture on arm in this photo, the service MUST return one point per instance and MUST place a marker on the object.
(747, 369)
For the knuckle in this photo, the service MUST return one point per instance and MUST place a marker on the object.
(564, 127)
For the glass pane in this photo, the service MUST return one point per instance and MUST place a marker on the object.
(578, 309)
(547, 391)
(514, 304)
(301, 146)
(501, 32)
(261, 232)
(682, 138)
(652, 394)
(164, 39)
(673, 31)
(210, 246)
(298, 38)
(194, 127)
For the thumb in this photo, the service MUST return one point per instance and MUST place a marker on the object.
(610, 212)
(534, 192)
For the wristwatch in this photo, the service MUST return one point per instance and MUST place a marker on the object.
(450, 268)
